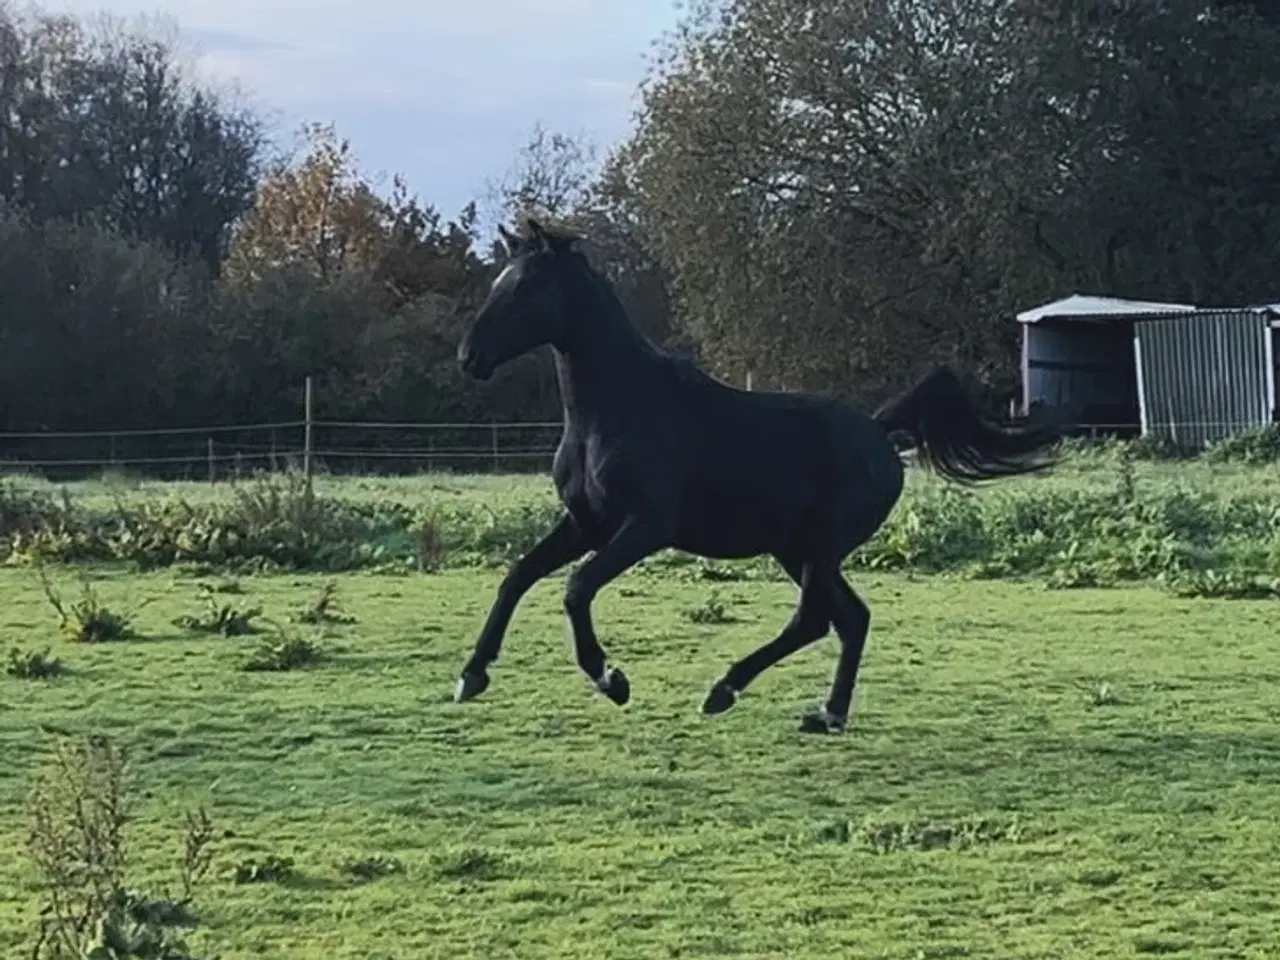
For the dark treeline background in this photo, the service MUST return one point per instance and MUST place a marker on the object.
(827, 196)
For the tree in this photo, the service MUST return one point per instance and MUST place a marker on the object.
(97, 331)
(843, 193)
(103, 123)
(373, 290)
(320, 216)
(551, 170)
(1180, 198)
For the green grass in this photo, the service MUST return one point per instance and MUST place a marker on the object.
(1105, 765)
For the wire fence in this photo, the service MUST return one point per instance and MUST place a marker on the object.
(229, 451)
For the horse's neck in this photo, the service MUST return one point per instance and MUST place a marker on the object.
(607, 367)
(605, 370)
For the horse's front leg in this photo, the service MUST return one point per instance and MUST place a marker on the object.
(635, 540)
(563, 544)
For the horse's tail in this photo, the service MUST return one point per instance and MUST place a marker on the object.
(952, 436)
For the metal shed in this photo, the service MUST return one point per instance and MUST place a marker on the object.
(1188, 374)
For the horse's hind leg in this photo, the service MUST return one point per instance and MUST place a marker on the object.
(852, 621)
(808, 624)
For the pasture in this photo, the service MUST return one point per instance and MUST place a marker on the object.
(1086, 771)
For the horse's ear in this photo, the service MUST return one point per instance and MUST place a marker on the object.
(553, 240)
(511, 241)
(536, 232)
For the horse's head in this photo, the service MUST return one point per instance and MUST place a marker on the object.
(527, 305)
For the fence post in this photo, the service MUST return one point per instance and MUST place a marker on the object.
(306, 433)
(208, 451)
(493, 427)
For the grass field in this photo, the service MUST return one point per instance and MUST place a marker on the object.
(1031, 773)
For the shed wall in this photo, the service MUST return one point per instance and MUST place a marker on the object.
(1204, 376)
(1083, 370)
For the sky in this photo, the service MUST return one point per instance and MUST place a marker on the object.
(440, 91)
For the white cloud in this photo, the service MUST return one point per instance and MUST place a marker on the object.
(439, 90)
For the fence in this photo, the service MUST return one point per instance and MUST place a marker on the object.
(227, 451)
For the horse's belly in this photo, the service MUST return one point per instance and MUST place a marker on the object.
(737, 524)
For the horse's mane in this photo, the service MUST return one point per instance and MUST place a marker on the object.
(531, 218)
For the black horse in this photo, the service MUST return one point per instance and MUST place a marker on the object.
(656, 454)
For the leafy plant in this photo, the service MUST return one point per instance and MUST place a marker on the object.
(89, 620)
(1222, 585)
(270, 869)
(713, 610)
(324, 608)
(197, 851)
(31, 665)
(286, 652)
(222, 619)
(78, 815)
(1255, 447)
(893, 836)
(369, 869)
(431, 547)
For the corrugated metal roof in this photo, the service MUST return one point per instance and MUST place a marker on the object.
(1082, 307)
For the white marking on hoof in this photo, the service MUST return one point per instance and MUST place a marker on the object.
(459, 688)
(831, 720)
(604, 681)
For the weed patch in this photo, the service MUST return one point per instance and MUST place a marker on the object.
(712, 611)
(896, 837)
(1110, 517)
(1222, 585)
(220, 619)
(468, 863)
(33, 665)
(88, 620)
(78, 813)
(1253, 448)
(286, 652)
(269, 869)
(324, 609)
(369, 869)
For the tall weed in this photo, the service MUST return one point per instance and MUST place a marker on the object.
(1108, 517)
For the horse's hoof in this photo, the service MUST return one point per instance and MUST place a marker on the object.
(822, 722)
(720, 699)
(470, 686)
(616, 686)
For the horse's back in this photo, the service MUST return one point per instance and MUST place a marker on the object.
(767, 470)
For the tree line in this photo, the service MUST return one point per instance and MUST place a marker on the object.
(823, 197)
